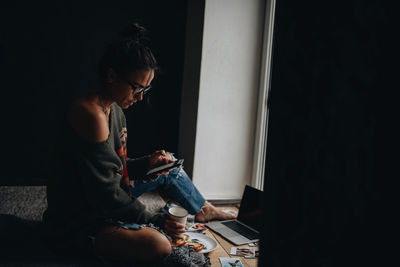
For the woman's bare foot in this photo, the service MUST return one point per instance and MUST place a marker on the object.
(209, 212)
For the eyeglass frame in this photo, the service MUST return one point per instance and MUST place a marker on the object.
(138, 89)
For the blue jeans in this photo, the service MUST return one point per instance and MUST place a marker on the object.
(178, 187)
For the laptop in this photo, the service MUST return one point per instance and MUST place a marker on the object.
(246, 228)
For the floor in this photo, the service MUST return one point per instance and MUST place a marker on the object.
(29, 203)
(224, 247)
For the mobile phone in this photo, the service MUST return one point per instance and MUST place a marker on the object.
(164, 167)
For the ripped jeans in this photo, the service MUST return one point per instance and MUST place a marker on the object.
(178, 186)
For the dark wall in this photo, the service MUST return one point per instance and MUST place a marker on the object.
(320, 183)
(48, 55)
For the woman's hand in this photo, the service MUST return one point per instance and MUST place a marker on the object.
(174, 229)
(158, 158)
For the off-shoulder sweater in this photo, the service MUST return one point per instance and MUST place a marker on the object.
(89, 183)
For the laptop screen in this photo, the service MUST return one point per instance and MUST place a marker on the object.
(250, 208)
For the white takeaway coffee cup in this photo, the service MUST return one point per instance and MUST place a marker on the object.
(178, 214)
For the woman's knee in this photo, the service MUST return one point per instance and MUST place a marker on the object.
(146, 244)
(158, 244)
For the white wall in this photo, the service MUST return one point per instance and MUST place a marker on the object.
(227, 101)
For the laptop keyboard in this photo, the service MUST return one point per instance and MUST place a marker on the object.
(243, 230)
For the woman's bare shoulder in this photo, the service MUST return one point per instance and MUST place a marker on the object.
(88, 120)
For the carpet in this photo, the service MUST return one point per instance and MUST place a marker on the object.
(29, 202)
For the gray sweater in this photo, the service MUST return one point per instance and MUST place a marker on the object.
(89, 182)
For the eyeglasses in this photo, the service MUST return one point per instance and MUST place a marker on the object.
(138, 89)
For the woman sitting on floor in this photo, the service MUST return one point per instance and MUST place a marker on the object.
(92, 198)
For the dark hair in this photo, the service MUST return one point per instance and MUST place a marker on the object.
(130, 53)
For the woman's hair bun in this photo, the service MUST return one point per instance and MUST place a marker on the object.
(131, 51)
(136, 33)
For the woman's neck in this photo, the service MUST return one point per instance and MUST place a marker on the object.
(104, 98)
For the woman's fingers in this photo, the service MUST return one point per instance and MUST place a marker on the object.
(160, 152)
(175, 226)
(163, 160)
(174, 229)
(166, 172)
(160, 157)
(156, 159)
(163, 154)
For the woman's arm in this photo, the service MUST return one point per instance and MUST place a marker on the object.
(138, 167)
(98, 169)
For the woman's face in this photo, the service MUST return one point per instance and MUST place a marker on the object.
(124, 88)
